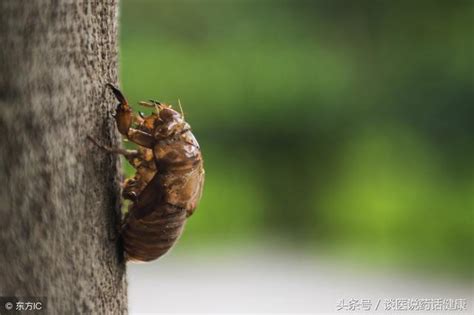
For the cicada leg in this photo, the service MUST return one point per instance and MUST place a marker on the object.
(141, 138)
(132, 186)
(124, 118)
(130, 155)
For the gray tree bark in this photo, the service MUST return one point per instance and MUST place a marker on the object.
(59, 192)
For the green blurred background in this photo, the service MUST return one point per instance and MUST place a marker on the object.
(341, 127)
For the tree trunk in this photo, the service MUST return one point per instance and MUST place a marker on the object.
(60, 193)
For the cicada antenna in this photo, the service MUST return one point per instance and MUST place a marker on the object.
(151, 103)
(181, 109)
(146, 104)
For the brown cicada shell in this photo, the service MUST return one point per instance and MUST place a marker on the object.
(168, 182)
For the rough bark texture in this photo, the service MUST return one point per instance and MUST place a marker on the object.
(59, 192)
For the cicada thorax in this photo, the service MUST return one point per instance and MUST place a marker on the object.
(168, 185)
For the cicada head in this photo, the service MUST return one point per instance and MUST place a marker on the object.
(169, 123)
(164, 123)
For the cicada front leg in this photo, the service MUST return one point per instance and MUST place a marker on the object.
(124, 118)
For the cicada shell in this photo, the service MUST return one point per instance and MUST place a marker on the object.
(168, 182)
